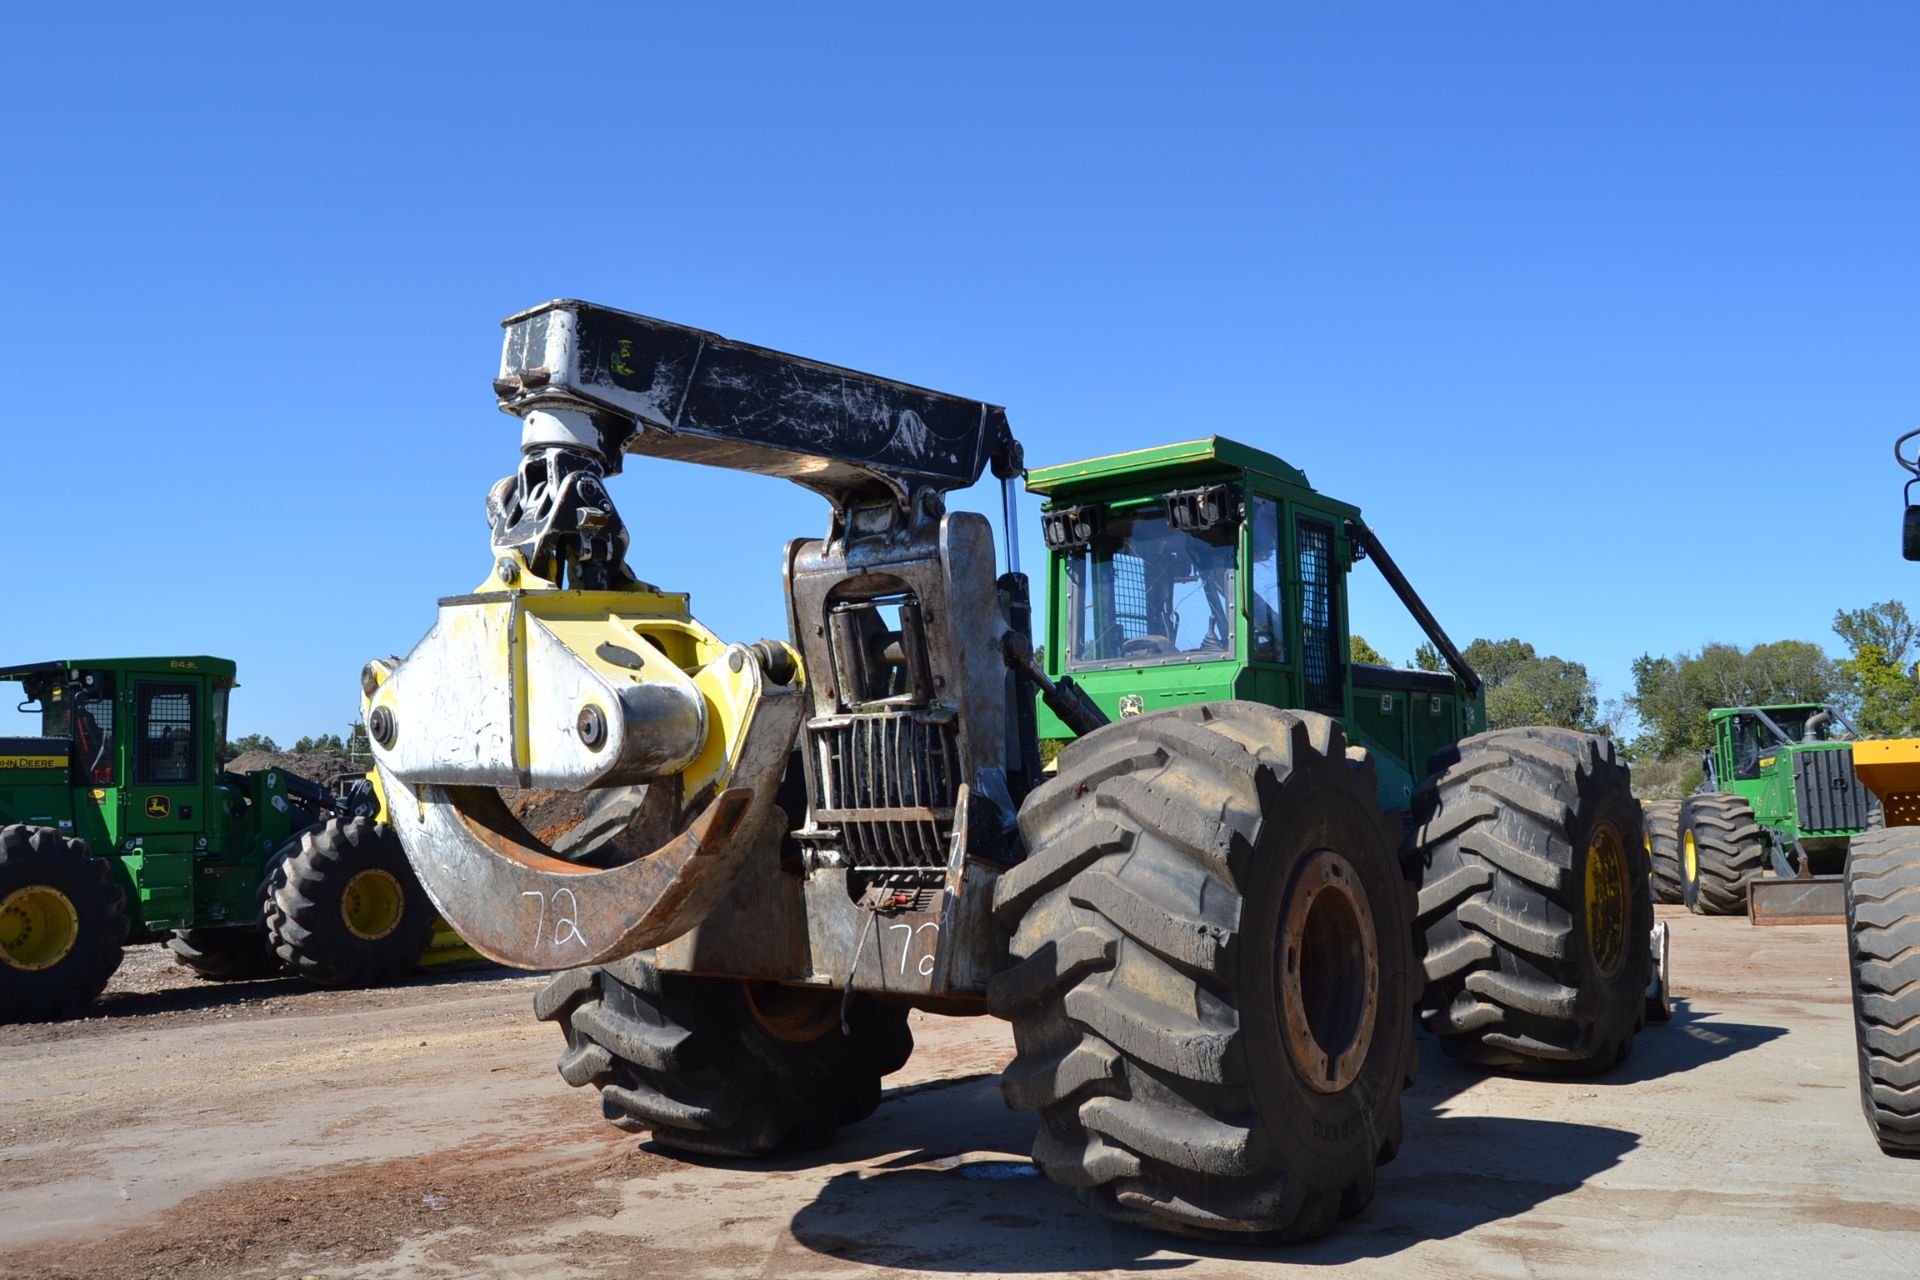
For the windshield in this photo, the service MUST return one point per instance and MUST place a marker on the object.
(1145, 592)
(1794, 723)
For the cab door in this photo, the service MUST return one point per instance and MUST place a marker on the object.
(164, 791)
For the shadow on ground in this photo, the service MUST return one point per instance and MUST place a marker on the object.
(964, 1198)
(972, 1204)
(1692, 1039)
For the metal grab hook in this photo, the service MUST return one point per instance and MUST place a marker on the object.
(515, 901)
(518, 905)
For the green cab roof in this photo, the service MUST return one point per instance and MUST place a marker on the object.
(1721, 713)
(1209, 452)
(194, 664)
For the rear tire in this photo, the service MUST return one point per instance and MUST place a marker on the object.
(1883, 948)
(62, 925)
(1722, 851)
(343, 907)
(1662, 821)
(1211, 990)
(1536, 911)
(710, 1065)
(238, 954)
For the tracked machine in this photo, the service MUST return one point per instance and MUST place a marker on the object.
(1210, 929)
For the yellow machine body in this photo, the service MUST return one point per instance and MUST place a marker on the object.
(1890, 768)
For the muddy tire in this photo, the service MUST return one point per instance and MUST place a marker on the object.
(1535, 908)
(718, 1066)
(62, 925)
(343, 907)
(225, 955)
(1211, 990)
(1661, 819)
(1883, 950)
(1722, 851)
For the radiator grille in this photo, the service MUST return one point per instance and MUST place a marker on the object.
(1830, 795)
(889, 783)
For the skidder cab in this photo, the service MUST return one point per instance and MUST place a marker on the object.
(751, 860)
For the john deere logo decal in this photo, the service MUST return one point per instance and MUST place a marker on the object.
(1131, 704)
(158, 806)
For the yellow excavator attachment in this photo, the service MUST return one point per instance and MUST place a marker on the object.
(1890, 768)
(523, 689)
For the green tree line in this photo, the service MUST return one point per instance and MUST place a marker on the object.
(1523, 686)
(354, 745)
(1874, 687)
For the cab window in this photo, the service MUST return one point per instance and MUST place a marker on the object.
(81, 711)
(1746, 747)
(1145, 592)
(166, 749)
(1267, 610)
(1320, 666)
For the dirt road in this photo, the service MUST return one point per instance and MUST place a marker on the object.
(267, 1130)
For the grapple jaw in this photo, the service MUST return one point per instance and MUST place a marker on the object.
(670, 742)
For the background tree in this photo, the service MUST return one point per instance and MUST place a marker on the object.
(1881, 692)
(1525, 688)
(1358, 650)
(326, 744)
(1672, 695)
(1427, 658)
(246, 742)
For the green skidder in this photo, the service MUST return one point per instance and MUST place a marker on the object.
(1210, 572)
(1779, 795)
(118, 826)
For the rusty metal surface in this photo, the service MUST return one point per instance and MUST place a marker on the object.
(509, 896)
(1321, 976)
(1797, 900)
(930, 944)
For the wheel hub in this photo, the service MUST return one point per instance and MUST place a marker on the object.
(1690, 858)
(1607, 898)
(1329, 978)
(793, 1014)
(38, 927)
(372, 904)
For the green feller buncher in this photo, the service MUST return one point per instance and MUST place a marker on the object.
(118, 826)
(1211, 928)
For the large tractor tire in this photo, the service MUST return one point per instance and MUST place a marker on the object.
(718, 1066)
(239, 954)
(1212, 990)
(1883, 946)
(62, 925)
(1661, 819)
(1722, 851)
(343, 907)
(1536, 910)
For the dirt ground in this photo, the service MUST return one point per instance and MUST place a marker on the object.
(267, 1130)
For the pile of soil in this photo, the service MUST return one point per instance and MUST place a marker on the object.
(335, 773)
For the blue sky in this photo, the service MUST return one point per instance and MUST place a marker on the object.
(1583, 306)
